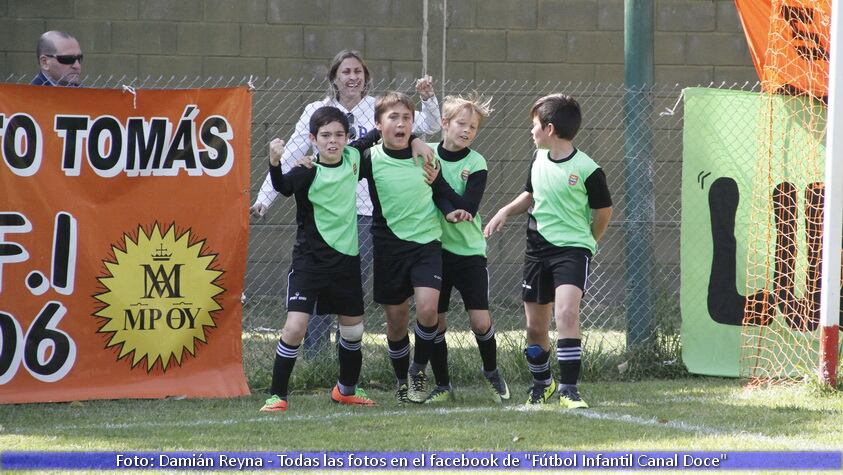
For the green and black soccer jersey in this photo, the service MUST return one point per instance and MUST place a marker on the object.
(564, 193)
(326, 213)
(404, 215)
(465, 171)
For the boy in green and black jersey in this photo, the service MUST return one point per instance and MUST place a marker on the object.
(405, 234)
(571, 208)
(325, 270)
(463, 246)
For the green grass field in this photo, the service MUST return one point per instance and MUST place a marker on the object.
(683, 414)
(675, 413)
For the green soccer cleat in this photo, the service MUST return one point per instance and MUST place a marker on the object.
(401, 394)
(440, 395)
(274, 404)
(541, 394)
(418, 387)
(500, 390)
(569, 398)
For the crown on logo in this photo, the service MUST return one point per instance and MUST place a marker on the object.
(161, 254)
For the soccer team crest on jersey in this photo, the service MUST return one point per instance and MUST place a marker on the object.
(464, 174)
(573, 179)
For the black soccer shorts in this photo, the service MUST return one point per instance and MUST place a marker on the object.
(470, 276)
(541, 277)
(395, 277)
(339, 293)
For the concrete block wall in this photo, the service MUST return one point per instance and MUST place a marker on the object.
(696, 41)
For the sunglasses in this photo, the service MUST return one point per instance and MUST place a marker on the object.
(66, 58)
(352, 130)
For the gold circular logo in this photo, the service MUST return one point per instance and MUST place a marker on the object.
(159, 296)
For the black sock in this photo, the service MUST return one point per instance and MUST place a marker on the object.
(439, 360)
(538, 361)
(488, 347)
(399, 355)
(569, 355)
(424, 343)
(285, 359)
(351, 360)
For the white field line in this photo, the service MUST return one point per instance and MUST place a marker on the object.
(790, 442)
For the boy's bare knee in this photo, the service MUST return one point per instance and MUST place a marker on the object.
(395, 331)
(397, 316)
(480, 321)
(293, 334)
(568, 318)
(427, 313)
(567, 311)
(481, 328)
(534, 332)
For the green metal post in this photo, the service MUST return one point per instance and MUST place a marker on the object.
(639, 204)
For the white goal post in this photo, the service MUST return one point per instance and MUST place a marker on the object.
(833, 207)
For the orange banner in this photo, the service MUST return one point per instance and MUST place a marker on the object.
(123, 236)
(789, 43)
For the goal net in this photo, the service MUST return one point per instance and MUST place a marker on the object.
(789, 41)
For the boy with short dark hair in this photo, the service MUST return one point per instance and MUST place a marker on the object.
(325, 253)
(571, 208)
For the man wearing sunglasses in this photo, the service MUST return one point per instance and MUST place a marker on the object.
(60, 60)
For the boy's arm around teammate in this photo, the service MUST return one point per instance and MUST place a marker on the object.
(469, 201)
(448, 201)
(367, 141)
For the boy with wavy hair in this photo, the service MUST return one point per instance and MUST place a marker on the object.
(463, 247)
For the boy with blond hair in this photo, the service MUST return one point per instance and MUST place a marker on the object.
(463, 247)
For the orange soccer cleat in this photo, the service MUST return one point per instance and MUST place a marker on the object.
(359, 398)
(274, 404)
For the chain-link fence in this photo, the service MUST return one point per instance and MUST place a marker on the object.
(505, 141)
